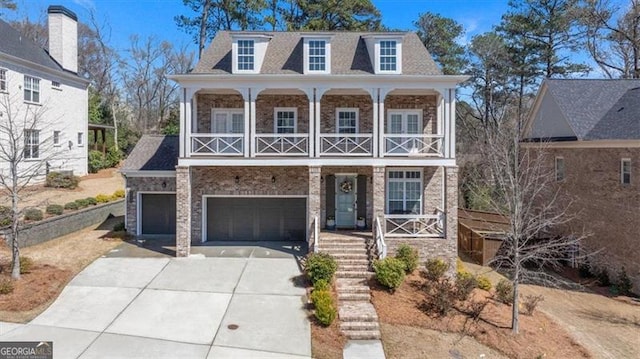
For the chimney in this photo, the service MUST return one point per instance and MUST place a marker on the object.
(63, 37)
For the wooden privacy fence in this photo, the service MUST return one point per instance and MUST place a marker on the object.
(480, 234)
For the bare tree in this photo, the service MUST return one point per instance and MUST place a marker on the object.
(524, 188)
(24, 156)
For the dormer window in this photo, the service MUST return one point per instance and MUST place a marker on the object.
(246, 53)
(388, 56)
(317, 53)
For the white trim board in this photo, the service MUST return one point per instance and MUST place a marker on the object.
(138, 173)
(321, 161)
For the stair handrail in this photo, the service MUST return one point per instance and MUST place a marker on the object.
(382, 246)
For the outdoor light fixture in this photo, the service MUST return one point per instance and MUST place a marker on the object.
(321, 179)
(237, 179)
(273, 179)
(164, 184)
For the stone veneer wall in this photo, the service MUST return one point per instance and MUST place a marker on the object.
(253, 181)
(329, 103)
(144, 184)
(607, 210)
(427, 103)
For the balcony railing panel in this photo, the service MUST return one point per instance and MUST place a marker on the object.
(277, 144)
(413, 145)
(340, 144)
(414, 225)
(224, 144)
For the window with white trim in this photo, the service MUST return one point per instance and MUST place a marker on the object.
(388, 56)
(56, 138)
(285, 120)
(560, 170)
(31, 89)
(224, 121)
(625, 171)
(404, 122)
(80, 138)
(31, 144)
(346, 120)
(404, 192)
(3, 80)
(246, 55)
(317, 55)
(56, 85)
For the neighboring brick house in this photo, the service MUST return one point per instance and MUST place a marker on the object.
(36, 82)
(282, 132)
(593, 133)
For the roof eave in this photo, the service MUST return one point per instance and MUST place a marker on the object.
(186, 78)
(58, 72)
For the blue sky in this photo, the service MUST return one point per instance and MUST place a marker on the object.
(155, 17)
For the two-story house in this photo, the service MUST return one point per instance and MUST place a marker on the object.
(591, 133)
(43, 97)
(286, 134)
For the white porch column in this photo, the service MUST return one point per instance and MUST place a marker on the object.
(376, 118)
(312, 123)
(246, 96)
(382, 95)
(452, 136)
(252, 121)
(447, 124)
(318, 118)
(190, 116)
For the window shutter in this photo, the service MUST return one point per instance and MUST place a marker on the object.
(362, 196)
(330, 182)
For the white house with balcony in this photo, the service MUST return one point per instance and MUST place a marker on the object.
(292, 136)
(43, 101)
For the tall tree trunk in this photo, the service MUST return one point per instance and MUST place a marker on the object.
(115, 126)
(202, 39)
(15, 247)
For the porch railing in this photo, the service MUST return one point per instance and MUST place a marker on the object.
(346, 144)
(276, 144)
(414, 225)
(231, 144)
(413, 145)
(380, 244)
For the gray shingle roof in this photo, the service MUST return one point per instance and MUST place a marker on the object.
(599, 109)
(153, 153)
(349, 54)
(16, 45)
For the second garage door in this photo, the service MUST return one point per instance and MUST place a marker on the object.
(256, 219)
(158, 213)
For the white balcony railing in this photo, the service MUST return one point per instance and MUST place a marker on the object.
(413, 145)
(341, 144)
(231, 144)
(414, 225)
(276, 144)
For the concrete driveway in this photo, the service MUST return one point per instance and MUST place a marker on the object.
(199, 307)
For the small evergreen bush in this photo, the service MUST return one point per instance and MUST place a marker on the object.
(623, 282)
(484, 283)
(54, 209)
(96, 161)
(465, 284)
(6, 286)
(91, 201)
(5, 216)
(71, 206)
(61, 180)
(435, 269)
(33, 214)
(112, 158)
(119, 193)
(409, 256)
(119, 227)
(325, 310)
(321, 266)
(504, 291)
(603, 278)
(25, 265)
(390, 272)
(103, 198)
(82, 202)
(321, 285)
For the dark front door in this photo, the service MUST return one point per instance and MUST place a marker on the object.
(158, 213)
(256, 219)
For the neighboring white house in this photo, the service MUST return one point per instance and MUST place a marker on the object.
(37, 82)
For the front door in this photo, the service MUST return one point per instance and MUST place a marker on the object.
(346, 201)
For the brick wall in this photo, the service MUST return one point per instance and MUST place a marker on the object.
(603, 207)
(329, 103)
(265, 105)
(208, 101)
(148, 184)
(326, 171)
(426, 103)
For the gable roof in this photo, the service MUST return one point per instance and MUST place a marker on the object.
(349, 54)
(597, 109)
(16, 45)
(153, 153)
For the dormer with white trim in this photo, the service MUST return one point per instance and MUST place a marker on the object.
(248, 51)
(317, 53)
(385, 52)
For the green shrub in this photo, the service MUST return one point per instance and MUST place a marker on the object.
(91, 201)
(465, 284)
(82, 202)
(321, 285)
(119, 193)
(504, 291)
(409, 256)
(325, 311)
(603, 278)
(103, 198)
(71, 206)
(530, 302)
(25, 265)
(96, 161)
(113, 157)
(6, 286)
(389, 272)
(321, 266)
(119, 227)
(33, 214)
(435, 269)
(484, 283)
(55, 209)
(5, 216)
(584, 270)
(623, 282)
(61, 180)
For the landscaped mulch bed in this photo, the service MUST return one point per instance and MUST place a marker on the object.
(326, 342)
(539, 335)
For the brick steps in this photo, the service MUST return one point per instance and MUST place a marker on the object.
(357, 312)
(362, 334)
(354, 297)
(359, 326)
